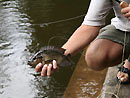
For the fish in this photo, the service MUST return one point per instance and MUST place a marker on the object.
(49, 53)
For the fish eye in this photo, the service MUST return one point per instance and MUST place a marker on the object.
(33, 58)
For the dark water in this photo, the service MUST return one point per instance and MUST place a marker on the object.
(23, 31)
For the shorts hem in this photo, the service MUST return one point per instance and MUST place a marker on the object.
(111, 39)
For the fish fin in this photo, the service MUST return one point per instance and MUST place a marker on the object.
(62, 50)
(65, 63)
(69, 55)
(69, 59)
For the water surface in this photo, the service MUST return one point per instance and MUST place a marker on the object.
(26, 26)
(23, 31)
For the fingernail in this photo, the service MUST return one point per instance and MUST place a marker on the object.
(42, 75)
(54, 61)
(122, 79)
(45, 65)
(50, 64)
(39, 64)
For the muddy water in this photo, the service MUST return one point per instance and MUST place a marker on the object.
(24, 29)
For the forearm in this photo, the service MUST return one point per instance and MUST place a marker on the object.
(80, 39)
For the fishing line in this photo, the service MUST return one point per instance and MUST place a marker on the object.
(118, 85)
(61, 37)
(53, 37)
(59, 21)
(109, 94)
(119, 82)
(64, 20)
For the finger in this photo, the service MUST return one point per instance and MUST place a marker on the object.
(120, 75)
(49, 69)
(127, 15)
(38, 68)
(122, 79)
(125, 10)
(54, 65)
(44, 69)
(125, 79)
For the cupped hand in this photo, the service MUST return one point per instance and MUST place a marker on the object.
(46, 69)
(126, 12)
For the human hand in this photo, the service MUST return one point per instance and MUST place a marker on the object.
(123, 73)
(46, 69)
(126, 12)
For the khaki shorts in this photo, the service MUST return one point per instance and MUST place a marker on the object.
(111, 33)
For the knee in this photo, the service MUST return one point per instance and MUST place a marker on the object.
(95, 61)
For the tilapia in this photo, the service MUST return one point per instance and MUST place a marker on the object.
(49, 53)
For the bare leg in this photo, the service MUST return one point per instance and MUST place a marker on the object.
(103, 53)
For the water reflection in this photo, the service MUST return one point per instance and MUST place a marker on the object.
(14, 38)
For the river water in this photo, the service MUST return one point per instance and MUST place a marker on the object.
(26, 26)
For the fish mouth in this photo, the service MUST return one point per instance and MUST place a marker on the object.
(30, 62)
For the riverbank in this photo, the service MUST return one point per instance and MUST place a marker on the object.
(85, 83)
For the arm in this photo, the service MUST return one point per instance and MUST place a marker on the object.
(87, 32)
(81, 38)
(84, 35)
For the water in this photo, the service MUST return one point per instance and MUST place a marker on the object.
(23, 31)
